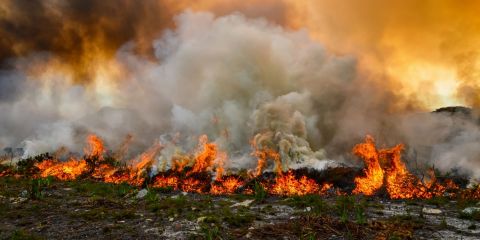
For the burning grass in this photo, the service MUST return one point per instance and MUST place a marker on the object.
(203, 172)
(336, 201)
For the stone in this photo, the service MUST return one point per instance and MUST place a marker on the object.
(24, 193)
(471, 210)
(201, 219)
(154, 231)
(431, 210)
(245, 203)
(141, 194)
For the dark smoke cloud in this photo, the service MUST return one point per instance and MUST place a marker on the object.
(78, 30)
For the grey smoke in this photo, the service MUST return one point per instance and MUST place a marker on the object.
(236, 79)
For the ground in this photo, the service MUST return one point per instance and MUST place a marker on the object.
(82, 209)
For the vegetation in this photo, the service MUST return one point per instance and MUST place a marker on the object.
(87, 209)
(259, 192)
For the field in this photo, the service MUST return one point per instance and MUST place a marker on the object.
(85, 209)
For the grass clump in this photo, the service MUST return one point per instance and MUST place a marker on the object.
(237, 219)
(472, 215)
(23, 235)
(259, 192)
(210, 232)
(437, 201)
(349, 207)
(37, 186)
(315, 202)
(171, 206)
(407, 219)
(101, 189)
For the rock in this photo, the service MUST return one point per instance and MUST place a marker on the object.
(201, 219)
(245, 203)
(141, 194)
(18, 200)
(24, 193)
(177, 227)
(431, 210)
(170, 219)
(471, 210)
(154, 231)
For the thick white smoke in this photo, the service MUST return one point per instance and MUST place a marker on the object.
(234, 79)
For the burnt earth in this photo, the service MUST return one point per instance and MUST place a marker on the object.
(84, 209)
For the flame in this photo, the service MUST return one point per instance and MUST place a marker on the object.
(226, 186)
(179, 162)
(163, 182)
(263, 154)
(205, 158)
(147, 157)
(208, 157)
(384, 168)
(288, 185)
(398, 181)
(373, 179)
(95, 147)
(192, 185)
(69, 170)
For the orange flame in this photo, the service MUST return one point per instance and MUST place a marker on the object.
(383, 168)
(179, 163)
(163, 182)
(192, 185)
(62, 170)
(208, 156)
(226, 186)
(373, 179)
(95, 147)
(399, 182)
(204, 160)
(288, 185)
(263, 154)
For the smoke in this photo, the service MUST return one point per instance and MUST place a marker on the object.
(233, 76)
(417, 45)
(78, 32)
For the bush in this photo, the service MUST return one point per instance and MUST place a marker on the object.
(259, 192)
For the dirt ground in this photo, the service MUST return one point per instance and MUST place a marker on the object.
(50, 209)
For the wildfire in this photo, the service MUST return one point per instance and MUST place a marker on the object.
(192, 185)
(179, 163)
(203, 172)
(95, 147)
(163, 182)
(287, 184)
(226, 186)
(264, 154)
(373, 179)
(398, 181)
(62, 170)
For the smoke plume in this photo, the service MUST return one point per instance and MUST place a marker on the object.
(285, 75)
